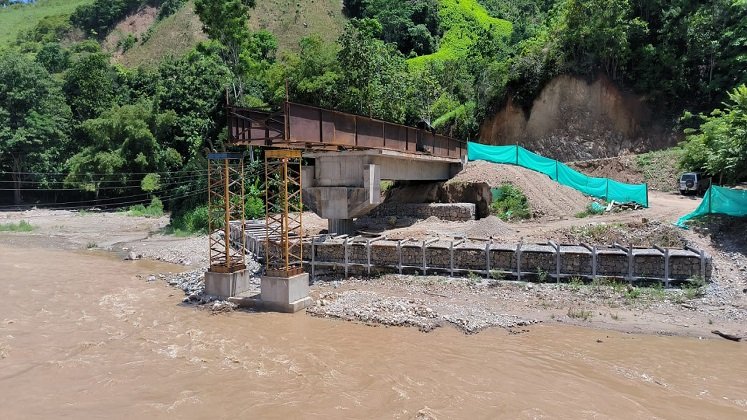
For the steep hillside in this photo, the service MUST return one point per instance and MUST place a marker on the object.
(573, 119)
(19, 18)
(172, 36)
(459, 20)
(291, 20)
(288, 20)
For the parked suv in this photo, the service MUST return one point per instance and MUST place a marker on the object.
(694, 182)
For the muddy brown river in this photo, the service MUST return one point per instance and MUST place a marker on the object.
(81, 336)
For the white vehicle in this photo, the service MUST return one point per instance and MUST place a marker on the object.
(694, 182)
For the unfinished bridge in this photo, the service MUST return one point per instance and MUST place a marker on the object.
(352, 154)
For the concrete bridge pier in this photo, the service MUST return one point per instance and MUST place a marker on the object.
(342, 186)
(341, 226)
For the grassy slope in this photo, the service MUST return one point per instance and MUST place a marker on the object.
(661, 168)
(286, 20)
(173, 36)
(180, 32)
(19, 18)
(458, 18)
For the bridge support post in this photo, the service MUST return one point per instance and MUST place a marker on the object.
(340, 226)
(284, 287)
(227, 274)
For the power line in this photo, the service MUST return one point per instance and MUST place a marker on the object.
(102, 174)
(124, 187)
(111, 205)
(100, 201)
(103, 181)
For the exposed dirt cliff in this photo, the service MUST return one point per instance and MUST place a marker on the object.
(573, 119)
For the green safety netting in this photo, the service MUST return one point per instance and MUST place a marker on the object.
(719, 200)
(605, 188)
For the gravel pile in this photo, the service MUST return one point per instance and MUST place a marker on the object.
(185, 251)
(370, 307)
(546, 197)
(490, 226)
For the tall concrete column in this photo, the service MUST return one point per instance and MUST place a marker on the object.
(340, 226)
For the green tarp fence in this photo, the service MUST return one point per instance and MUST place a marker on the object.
(604, 188)
(719, 200)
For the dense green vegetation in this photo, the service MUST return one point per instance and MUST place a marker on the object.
(77, 129)
(154, 209)
(509, 203)
(719, 145)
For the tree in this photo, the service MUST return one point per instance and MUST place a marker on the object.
(312, 74)
(191, 88)
(375, 80)
(597, 32)
(120, 147)
(719, 145)
(53, 57)
(34, 120)
(90, 86)
(225, 21)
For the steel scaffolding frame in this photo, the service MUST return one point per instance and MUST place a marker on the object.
(283, 213)
(225, 203)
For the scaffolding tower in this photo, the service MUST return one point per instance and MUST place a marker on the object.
(225, 204)
(283, 213)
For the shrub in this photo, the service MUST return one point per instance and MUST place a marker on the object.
(154, 209)
(591, 208)
(193, 221)
(22, 226)
(510, 203)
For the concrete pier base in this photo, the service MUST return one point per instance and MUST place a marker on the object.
(340, 226)
(225, 285)
(285, 294)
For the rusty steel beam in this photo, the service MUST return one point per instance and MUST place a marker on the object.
(307, 127)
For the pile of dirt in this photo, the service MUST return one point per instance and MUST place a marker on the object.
(640, 234)
(546, 197)
(621, 168)
(659, 169)
(490, 226)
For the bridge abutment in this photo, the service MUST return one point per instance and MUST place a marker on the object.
(347, 185)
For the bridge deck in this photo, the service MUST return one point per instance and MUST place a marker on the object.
(304, 126)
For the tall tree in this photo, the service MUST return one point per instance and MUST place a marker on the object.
(90, 86)
(34, 120)
(226, 21)
(597, 33)
(191, 88)
(375, 79)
